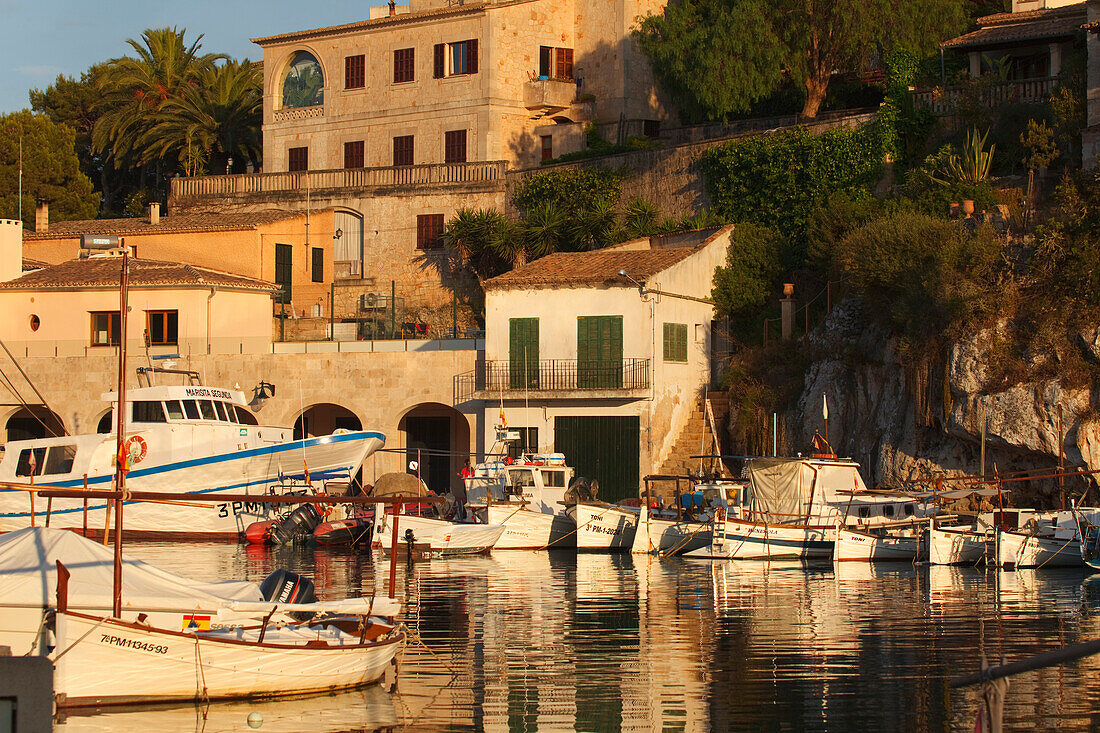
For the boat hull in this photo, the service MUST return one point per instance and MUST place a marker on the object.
(443, 537)
(149, 664)
(530, 530)
(742, 540)
(672, 537)
(249, 472)
(857, 546)
(956, 546)
(604, 528)
(1018, 550)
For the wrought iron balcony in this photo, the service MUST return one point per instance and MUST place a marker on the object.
(550, 378)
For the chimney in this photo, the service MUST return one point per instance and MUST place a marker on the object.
(154, 214)
(42, 216)
(393, 8)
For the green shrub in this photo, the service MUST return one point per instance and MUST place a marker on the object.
(752, 264)
(571, 189)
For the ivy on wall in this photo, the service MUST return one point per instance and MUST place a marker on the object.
(571, 189)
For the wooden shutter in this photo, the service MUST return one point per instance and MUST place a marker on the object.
(471, 56)
(599, 352)
(439, 66)
(523, 353)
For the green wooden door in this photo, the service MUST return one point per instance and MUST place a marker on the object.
(523, 353)
(603, 448)
(599, 352)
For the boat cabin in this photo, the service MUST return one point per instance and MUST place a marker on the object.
(539, 480)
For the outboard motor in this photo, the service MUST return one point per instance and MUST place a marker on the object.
(283, 586)
(297, 525)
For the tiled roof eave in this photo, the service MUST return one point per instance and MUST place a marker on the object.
(372, 24)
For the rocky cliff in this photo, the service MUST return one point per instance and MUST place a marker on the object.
(909, 424)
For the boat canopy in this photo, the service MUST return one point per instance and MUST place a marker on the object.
(28, 576)
(795, 486)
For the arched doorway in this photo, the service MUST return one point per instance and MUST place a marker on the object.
(32, 422)
(105, 422)
(323, 419)
(437, 439)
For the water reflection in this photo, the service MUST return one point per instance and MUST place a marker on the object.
(524, 641)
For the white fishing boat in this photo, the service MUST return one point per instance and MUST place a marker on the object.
(687, 527)
(442, 537)
(526, 496)
(180, 438)
(876, 546)
(603, 527)
(794, 506)
(956, 545)
(1034, 549)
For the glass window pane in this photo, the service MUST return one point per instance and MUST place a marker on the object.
(144, 411)
(175, 411)
(192, 409)
(220, 407)
(207, 408)
(304, 84)
(59, 459)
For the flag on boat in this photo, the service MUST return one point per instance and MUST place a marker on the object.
(33, 463)
(825, 406)
(192, 622)
(306, 468)
(503, 418)
(123, 458)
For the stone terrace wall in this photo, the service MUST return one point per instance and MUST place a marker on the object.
(670, 176)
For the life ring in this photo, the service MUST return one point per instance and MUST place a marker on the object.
(324, 509)
(135, 448)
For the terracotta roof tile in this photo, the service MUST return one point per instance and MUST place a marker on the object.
(29, 264)
(1026, 26)
(103, 272)
(177, 223)
(388, 20)
(590, 268)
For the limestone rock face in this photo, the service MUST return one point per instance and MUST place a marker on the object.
(875, 418)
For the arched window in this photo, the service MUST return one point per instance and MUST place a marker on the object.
(304, 84)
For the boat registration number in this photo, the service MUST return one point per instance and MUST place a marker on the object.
(134, 644)
(239, 507)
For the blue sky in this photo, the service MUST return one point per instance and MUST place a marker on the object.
(44, 38)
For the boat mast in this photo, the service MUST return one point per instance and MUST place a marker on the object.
(120, 457)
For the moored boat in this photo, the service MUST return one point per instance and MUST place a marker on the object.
(186, 438)
(526, 497)
(1030, 549)
(602, 527)
(956, 545)
(875, 546)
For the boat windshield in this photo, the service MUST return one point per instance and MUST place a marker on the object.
(175, 410)
(553, 479)
(145, 411)
(207, 408)
(522, 477)
(191, 408)
(46, 461)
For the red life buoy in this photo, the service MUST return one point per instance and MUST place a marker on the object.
(136, 448)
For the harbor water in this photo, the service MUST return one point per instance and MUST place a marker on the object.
(525, 641)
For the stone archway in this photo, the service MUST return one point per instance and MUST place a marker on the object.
(323, 419)
(32, 422)
(437, 438)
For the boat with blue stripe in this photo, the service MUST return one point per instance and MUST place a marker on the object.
(180, 438)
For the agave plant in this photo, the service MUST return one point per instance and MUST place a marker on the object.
(972, 166)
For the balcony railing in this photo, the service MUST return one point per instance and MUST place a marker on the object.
(945, 101)
(550, 94)
(403, 175)
(553, 375)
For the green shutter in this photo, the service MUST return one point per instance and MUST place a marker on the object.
(599, 352)
(523, 353)
(675, 342)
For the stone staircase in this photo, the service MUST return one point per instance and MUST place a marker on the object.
(697, 439)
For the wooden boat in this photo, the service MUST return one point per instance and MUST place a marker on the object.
(956, 545)
(742, 539)
(443, 538)
(603, 527)
(528, 529)
(875, 546)
(1090, 544)
(1023, 549)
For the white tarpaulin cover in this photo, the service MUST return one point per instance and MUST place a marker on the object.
(28, 576)
(788, 487)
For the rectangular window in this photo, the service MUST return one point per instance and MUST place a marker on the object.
(298, 159)
(318, 265)
(161, 327)
(147, 411)
(455, 59)
(651, 128)
(59, 459)
(354, 72)
(192, 409)
(105, 328)
(403, 63)
(676, 347)
(31, 462)
(600, 352)
(175, 410)
(284, 257)
(523, 353)
(454, 146)
(403, 150)
(547, 147)
(207, 408)
(220, 408)
(429, 231)
(353, 154)
(555, 63)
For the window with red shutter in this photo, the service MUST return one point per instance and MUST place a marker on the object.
(403, 150)
(455, 59)
(403, 63)
(298, 159)
(555, 63)
(353, 154)
(429, 231)
(454, 146)
(355, 72)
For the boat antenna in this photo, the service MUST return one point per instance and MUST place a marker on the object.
(121, 459)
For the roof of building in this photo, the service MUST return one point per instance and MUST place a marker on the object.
(30, 265)
(103, 272)
(167, 224)
(400, 19)
(1032, 25)
(590, 268)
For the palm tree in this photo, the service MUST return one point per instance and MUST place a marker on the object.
(136, 89)
(642, 219)
(217, 119)
(545, 229)
(595, 227)
(470, 233)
